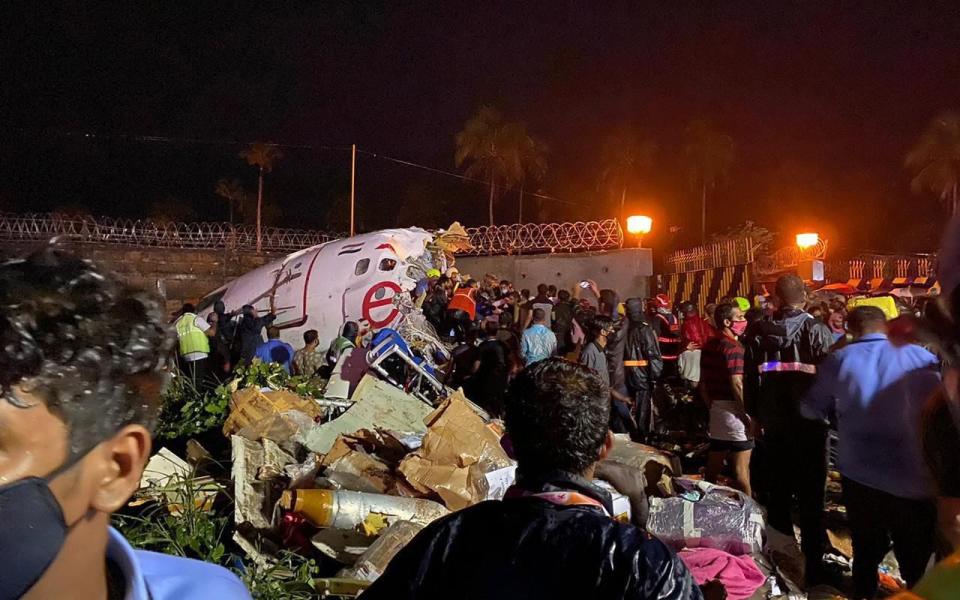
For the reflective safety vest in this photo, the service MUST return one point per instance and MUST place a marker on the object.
(463, 300)
(192, 338)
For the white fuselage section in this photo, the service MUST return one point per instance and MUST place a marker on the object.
(353, 279)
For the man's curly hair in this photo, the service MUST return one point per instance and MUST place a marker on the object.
(76, 337)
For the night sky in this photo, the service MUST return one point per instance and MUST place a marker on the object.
(823, 100)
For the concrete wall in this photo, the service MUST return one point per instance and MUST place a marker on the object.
(177, 275)
(627, 271)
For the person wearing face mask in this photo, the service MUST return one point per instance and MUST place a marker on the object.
(77, 404)
(721, 386)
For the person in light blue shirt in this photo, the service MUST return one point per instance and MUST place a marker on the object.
(76, 404)
(538, 342)
(275, 350)
(876, 391)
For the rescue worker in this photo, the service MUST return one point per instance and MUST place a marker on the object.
(346, 339)
(462, 309)
(780, 364)
(193, 335)
(250, 332)
(643, 365)
(666, 326)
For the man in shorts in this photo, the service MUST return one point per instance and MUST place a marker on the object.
(721, 384)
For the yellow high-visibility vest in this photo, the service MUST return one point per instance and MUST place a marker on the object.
(192, 338)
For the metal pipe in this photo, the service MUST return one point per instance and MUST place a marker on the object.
(344, 509)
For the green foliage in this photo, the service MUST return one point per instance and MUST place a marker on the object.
(289, 577)
(188, 412)
(192, 533)
(204, 535)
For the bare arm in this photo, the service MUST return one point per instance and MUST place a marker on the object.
(736, 382)
(703, 392)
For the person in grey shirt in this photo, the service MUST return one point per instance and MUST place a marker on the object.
(594, 356)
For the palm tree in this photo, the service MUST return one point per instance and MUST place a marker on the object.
(262, 156)
(232, 191)
(709, 158)
(624, 158)
(492, 147)
(533, 160)
(935, 160)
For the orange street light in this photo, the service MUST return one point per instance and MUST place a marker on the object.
(639, 226)
(807, 240)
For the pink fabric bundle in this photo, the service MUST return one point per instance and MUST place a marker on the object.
(739, 574)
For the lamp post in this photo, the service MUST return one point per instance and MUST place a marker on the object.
(639, 226)
(809, 266)
(807, 240)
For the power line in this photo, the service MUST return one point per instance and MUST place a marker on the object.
(457, 175)
(160, 139)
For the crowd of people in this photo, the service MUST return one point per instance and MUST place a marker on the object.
(83, 366)
(770, 378)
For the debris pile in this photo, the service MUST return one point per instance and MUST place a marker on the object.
(348, 482)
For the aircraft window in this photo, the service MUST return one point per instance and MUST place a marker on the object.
(362, 265)
(388, 264)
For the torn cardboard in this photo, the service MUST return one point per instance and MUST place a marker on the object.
(458, 450)
(250, 405)
(255, 465)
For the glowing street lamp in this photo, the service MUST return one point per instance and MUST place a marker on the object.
(639, 226)
(807, 240)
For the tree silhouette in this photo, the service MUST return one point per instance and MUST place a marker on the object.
(492, 150)
(624, 158)
(233, 192)
(935, 160)
(709, 155)
(263, 156)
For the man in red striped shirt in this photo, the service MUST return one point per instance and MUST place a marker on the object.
(721, 385)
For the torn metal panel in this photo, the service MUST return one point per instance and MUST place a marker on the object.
(377, 404)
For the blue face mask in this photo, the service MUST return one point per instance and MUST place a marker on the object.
(32, 531)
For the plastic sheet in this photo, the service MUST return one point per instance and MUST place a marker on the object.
(719, 517)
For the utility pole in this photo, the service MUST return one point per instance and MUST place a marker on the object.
(353, 188)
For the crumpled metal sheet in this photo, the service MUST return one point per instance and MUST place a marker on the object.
(377, 404)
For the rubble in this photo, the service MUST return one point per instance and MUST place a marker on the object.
(358, 487)
(277, 415)
(373, 562)
(166, 478)
(376, 404)
(458, 451)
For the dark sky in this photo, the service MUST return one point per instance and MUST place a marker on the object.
(822, 98)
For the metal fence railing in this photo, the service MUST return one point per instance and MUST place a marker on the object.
(500, 239)
(728, 253)
(546, 237)
(154, 234)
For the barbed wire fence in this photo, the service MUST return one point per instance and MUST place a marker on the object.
(145, 233)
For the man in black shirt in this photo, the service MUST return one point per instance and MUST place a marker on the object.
(552, 536)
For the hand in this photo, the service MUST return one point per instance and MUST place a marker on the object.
(594, 287)
(631, 483)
